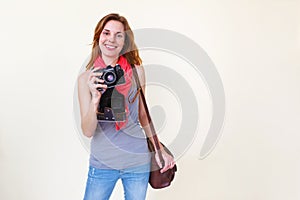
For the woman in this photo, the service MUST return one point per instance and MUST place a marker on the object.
(118, 149)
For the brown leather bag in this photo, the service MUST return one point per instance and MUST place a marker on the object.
(157, 180)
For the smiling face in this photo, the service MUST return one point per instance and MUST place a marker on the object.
(112, 40)
(113, 37)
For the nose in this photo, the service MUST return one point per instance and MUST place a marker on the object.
(111, 38)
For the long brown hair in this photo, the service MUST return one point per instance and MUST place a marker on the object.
(129, 51)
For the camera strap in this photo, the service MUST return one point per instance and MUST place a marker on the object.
(152, 129)
(135, 96)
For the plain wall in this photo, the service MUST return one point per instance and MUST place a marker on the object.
(254, 45)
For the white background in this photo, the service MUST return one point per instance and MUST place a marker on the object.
(254, 44)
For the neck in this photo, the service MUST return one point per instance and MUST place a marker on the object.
(110, 60)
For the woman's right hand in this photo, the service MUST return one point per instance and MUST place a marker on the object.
(94, 82)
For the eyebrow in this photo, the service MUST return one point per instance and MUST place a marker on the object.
(109, 31)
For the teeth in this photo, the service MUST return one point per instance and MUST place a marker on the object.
(110, 47)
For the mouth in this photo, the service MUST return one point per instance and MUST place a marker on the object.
(110, 47)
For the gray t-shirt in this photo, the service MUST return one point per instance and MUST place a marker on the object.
(112, 149)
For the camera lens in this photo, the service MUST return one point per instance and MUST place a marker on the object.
(109, 77)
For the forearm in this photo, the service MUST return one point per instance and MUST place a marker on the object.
(89, 120)
(144, 121)
(147, 129)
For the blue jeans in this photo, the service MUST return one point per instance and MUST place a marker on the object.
(101, 182)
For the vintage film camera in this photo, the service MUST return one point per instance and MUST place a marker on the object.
(112, 103)
(112, 76)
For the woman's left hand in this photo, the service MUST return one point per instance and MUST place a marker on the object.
(169, 162)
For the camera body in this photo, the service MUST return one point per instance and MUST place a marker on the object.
(112, 103)
(112, 76)
(111, 106)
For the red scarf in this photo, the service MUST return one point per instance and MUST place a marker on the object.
(124, 88)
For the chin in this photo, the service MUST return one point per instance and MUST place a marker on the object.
(109, 54)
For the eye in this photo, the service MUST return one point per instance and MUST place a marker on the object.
(120, 35)
(105, 33)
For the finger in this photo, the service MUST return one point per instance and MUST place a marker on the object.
(103, 86)
(99, 74)
(165, 168)
(96, 72)
(91, 80)
(159, 163)
(94, 81)
(92, 75)
(95, 69)
(172, 164)
(158, 160)
(98, 80)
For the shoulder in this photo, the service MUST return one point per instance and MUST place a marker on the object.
(83, 77)
(140, 70)
(141, 74)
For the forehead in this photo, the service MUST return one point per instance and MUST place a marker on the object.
(114, 26)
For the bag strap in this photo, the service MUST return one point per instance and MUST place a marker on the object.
(153, 132)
